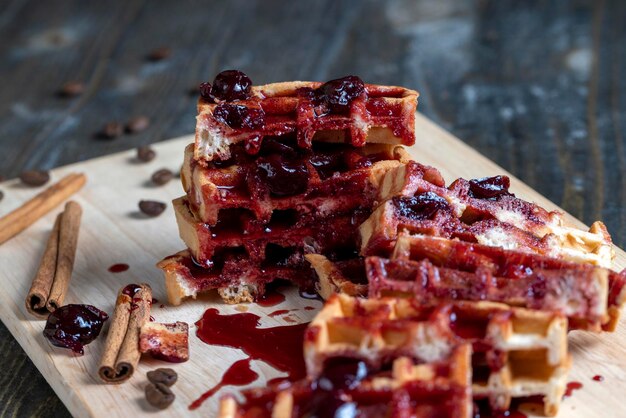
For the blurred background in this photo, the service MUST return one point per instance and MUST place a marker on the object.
(537, 86)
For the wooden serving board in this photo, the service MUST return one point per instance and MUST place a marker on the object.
(114, 232)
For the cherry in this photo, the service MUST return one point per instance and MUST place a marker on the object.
(231, 85)
(490, 187)
(73, 326)
(131, 289)
(339, 93)
(284, 177)
(240, 117)
(423, 206)
(273, 146)
(205, 91)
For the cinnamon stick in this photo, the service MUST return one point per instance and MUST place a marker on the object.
(121, 351)
(21, 218)
(52, 280)
(42, 283)
(68, 241)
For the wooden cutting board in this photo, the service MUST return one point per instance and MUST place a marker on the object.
(113, 232)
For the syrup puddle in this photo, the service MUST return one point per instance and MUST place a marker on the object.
(271, 298)
(238, 374)
(280, 347)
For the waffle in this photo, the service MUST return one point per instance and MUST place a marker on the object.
(566, 286)
(382, 114)
(416, 200)
(236, 278)
(169, 342)
(334, 180)
(517, 352)
(346, 276)
(287, 229)
(409, 389)
(579, 295)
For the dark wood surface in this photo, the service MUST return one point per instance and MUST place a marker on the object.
(536, 86)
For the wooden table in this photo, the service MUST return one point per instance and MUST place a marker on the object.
(536, 87)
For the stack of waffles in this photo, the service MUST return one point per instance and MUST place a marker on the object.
(277, 172)
(438, 298)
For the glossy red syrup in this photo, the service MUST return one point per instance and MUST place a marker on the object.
(118, 268)
(131, 290)
(280, 312)
(271, 298)
(238, 374)
(280, 347)
(309, 308)
(598, 378)
(571, 387)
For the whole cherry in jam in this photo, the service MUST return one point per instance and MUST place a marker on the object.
(283, 177)
(231, 85)
(489, 187)
(131, 289)
(73, 326)
(205, 90)
(240, 117)
(340, 93)
(421, 207)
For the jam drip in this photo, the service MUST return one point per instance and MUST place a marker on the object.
(238, 374)
(74, 326)
(280, 347)
(571, 387)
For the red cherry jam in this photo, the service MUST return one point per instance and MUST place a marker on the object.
(421, 207)
(283, 176)
(131, 289)
(341, 92)
(490, 187)
(205, 90)
(73, 326)
(341, 373)
(240, 117)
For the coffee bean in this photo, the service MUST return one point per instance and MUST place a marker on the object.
(145, 153)
(162, 176)
(72, 89)
(163, 375)
(112, 130)
(35, 177)
(152, 208)
(160, 54)
(137, 124)
(159, 395)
